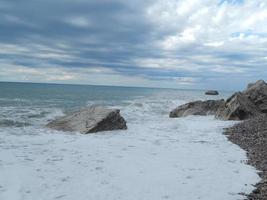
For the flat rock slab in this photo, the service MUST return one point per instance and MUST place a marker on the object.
(90, 120)
(211, 92)
(208, 107)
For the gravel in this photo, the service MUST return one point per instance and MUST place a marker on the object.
(251, 135)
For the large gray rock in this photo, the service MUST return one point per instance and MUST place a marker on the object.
(257, 93)
(90, 120)
(237, 107)
(208, 107)
(211, 92)
(247, 104)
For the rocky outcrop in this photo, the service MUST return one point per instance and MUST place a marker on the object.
(257, 93)
(212, 92)
(237, 107)
(209, 107)
(240, 106)
(252, 102)
(90, 120)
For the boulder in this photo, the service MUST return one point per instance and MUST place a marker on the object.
(237, 107)
(208, 107)
(255, 85)
(90, 120)
(257, 93)
(211, 92)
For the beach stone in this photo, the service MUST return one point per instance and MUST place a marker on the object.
(208, 107)
(237, 107)
(211, 92)
(90, 120)
(251, 135)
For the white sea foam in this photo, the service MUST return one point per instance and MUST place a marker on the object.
(156, 158)
(27, 115)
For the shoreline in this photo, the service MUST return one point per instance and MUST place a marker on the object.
(250, 107)
(251, 135)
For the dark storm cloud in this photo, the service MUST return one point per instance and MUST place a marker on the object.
(109, 22)
(107, 31)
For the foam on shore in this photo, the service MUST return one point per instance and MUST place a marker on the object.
(156, 158)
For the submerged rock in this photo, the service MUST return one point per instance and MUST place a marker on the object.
(208, 107)
(212, 92)
(237, 107)
(90, 120)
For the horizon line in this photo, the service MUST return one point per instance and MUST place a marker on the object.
(81, 84)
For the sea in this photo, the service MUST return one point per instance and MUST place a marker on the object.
(156, 158)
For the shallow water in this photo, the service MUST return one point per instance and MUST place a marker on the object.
(156, 158)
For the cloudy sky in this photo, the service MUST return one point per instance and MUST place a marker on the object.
(153, 43)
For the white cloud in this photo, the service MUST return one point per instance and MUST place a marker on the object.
(214, 44)
(12, 49)
(228, 70)
(167, 64)
(78, 21)
(187, 36)
(35, 51)
(93, 75)
(206, 22)
(227, 38)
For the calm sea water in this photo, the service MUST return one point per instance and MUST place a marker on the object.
(156, 158)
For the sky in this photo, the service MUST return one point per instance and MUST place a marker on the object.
(190, 44)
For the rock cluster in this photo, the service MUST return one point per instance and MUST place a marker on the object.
(90, 120)
(240, 106)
